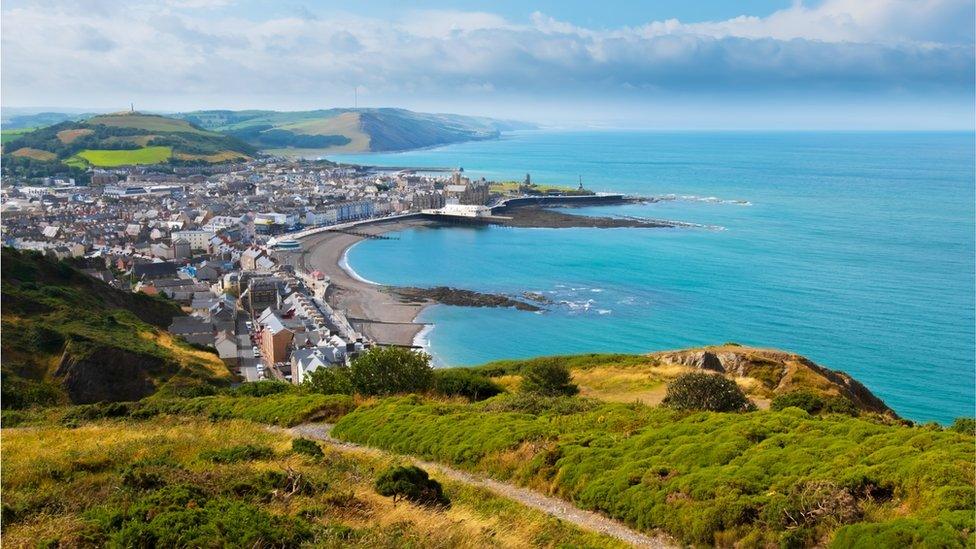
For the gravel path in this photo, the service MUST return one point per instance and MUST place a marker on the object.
(552, 506)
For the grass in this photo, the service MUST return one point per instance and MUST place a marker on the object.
(67, 136)
(146, 122)
(9, 135)
(346, 124)
(36, 154)
(507, 187)
(706, 478)
(112, 158)
(111, 481)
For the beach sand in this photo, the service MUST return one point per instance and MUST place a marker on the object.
(370, 308)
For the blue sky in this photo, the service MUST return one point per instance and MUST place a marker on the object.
(752, 64)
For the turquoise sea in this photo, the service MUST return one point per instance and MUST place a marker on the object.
(854, 249)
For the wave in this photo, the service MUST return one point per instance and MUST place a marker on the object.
(345, 266)
(707, 199)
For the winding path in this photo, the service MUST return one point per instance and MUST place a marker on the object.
(551, 506)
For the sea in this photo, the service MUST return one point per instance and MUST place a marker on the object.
(853, 249)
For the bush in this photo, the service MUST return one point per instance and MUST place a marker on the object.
(184, 516)
(462, 382)
(333, 380)
(261, 388)
(307, 447)
(708, 392)
(390, 370)
(965, 425)
(411, 483)
(814, 403)
(244, 452)
(547, 378)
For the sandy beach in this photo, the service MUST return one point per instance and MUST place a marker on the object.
(379, 314)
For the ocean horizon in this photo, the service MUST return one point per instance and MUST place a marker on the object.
(854, 249)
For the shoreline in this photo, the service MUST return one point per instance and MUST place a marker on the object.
(389, 318)
(369, 306)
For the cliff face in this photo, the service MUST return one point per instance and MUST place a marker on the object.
(776, 373)
(70, 338)
(106, 374)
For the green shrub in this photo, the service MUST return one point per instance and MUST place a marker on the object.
(391, 370)
(333, 380)
(307, 447)
(465, 383)
(184, 516)
(412, 484)
(244, 452)
(547, 378)
(529, 403)
(261, 388)
(705, 392)
(965, 425)
(814, 403)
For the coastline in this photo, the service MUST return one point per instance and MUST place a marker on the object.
(370, 307)
(389, 317)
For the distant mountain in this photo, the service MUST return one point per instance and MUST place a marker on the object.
(110, 140)
(16, 121)
(350, 130)
(70, 338)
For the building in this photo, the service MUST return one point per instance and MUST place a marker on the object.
(275, 338)
(198, 240)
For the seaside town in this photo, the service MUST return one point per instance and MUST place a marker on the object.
(221, 242)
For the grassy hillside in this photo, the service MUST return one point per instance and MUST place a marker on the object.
(763, 374)
(348, 130)
(755, 479)
(113, 140)
(116, 350)
(178, 481)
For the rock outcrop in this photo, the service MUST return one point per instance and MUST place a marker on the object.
(777, 372)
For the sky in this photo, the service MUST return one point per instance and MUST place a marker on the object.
(669, 64)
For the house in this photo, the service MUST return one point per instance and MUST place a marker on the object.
(152, 271)
(226, 345)
(193, 329)
(275, 338)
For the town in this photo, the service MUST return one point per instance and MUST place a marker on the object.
(220, 240)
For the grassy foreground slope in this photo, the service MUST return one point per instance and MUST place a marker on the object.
(116, 350)
(177, 481)
(753, 479)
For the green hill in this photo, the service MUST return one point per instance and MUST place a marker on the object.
(112, 140)
(70, 338)
(349, 130)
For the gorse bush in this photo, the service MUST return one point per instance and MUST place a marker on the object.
(760, 479)
(813, 403)
(705, 392)
(463, 382)
(547, 378)
(184, 516)
(412, 484)
(305, 446)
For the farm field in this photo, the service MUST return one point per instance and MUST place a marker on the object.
(112, 158)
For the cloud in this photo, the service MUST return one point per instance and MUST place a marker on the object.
(888, 47)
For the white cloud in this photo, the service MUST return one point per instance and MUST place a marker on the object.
(837, 47)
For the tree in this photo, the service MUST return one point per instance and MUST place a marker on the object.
(412, 484)
(547, 378)
(709, 392)
(390, 370)
(333, 380)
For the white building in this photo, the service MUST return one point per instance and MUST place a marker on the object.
(199, 240)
